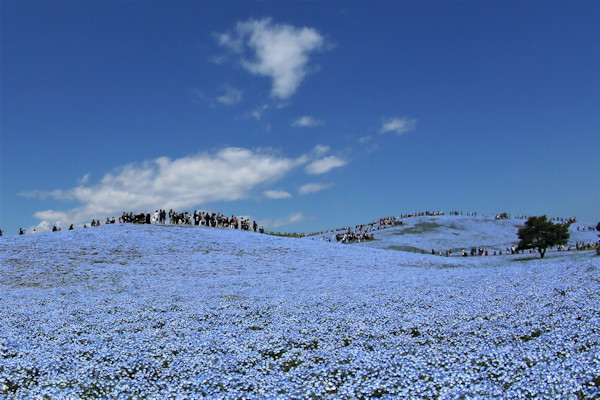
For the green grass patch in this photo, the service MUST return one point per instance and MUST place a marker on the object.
(421, 227)
(285, 234)
(410, 249)
(526, 258)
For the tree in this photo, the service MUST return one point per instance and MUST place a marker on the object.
(597, 230)
(539, 233)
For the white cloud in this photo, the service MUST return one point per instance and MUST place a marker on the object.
(279, 51)
(398, 125)
(229, 174)
(230, 97)
(257, 113)
(306, 122)
(290, 219)
(324, 165)
(43, 226)
(277, 194)
(313, 188)
(49, 219)
(84, 179)
(43, 194)
(320, 150)
(50, 215)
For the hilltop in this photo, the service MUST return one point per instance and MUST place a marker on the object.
(421, 234)
(463, 232)
(172, 312)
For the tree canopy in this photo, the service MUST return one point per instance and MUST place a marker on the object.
(539, 233)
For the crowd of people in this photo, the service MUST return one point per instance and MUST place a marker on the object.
(466, 213)
(427, 214)
(198, 218)
(480, 251)
(562, 221)
(360, 233)
(353, 237)
(586, 228)
(584, 246)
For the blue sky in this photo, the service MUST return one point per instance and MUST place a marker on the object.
(302, 115)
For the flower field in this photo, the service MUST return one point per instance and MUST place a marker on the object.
(154, 312)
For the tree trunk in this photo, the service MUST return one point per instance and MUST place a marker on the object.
(542, 251)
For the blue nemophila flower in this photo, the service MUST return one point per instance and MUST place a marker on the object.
(224, 314)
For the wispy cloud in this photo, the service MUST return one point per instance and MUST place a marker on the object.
(84, 179)
(320, 150)
(258, 112)
(277, 194)
(368, 144)
(230, 97)
(43, 194)
(313, 188)
(324, 165)
(306, 122)
(290, 219)
(278, 51)
(398, 125)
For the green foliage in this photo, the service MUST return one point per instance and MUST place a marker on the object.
(539, 233)
(286, 234)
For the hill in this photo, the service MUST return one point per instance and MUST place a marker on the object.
(123, 311)
(456, 232)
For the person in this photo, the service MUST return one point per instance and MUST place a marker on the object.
(21, 231)
(0, 232)
(71, 227)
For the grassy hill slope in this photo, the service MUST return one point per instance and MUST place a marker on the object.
(441, 233)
